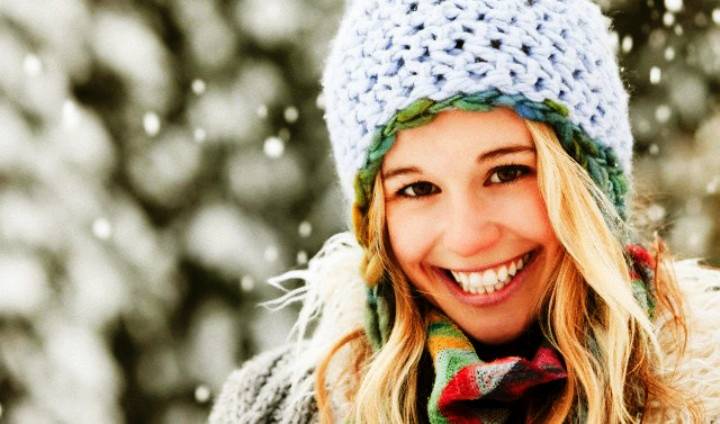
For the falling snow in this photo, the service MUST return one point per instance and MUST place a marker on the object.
(655, 75)
(305, 229)
(320, 101)
(674, 5)
(627, 44)
(713, 185)
(199, 135)
(669, 54)
(271, 254)
(668, 19)
(262, 111)
(101, 228)
(198, 86)
(247, 283)
(202, 393)
(302, 257)
(70, 114)
(32, 65)
(663, 113)
(151, 123)
(274, 147)
(291, 114)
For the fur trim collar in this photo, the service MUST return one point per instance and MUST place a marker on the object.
(698, 371)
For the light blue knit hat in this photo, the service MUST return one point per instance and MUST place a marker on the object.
(396, 63)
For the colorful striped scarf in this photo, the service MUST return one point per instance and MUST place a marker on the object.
(468, 390)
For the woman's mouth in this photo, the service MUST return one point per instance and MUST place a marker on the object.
(489, 285)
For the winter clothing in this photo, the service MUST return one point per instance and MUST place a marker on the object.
(461, 376)
(276, 386)
(260, 393)
(549, 60)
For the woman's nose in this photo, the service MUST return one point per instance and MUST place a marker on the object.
(471, 227)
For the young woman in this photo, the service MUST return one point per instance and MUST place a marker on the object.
(494, 275)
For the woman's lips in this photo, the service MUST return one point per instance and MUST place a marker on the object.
(487, 299)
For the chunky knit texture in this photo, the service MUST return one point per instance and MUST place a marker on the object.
(261, 393)
(389, 54)
(467, 389)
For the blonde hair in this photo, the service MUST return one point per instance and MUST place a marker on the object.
(607, 340)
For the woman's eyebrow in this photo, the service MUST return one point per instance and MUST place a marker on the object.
(401, 171)
(505, 150)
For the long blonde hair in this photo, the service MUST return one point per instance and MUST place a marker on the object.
(607, 340)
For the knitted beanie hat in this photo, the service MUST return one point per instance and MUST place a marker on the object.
(395, 64)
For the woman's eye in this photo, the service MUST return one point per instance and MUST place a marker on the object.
(508, 173)
(419, 189)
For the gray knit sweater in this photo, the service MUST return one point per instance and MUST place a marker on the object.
(260, 391)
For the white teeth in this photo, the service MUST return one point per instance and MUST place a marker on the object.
(502, 274)
(490, 280)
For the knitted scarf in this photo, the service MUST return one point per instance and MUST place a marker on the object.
(468, 390)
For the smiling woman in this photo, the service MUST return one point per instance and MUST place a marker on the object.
(483, 184)
(494, 275)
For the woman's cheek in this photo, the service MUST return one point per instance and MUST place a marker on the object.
(525, 212)
(410, 230)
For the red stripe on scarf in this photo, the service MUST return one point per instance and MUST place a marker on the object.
(641, 255)
(513, 377)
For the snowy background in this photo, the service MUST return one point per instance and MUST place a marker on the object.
(159, 159)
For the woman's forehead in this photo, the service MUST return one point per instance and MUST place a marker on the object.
(473, 132)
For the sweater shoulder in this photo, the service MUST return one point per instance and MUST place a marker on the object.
(266, 390)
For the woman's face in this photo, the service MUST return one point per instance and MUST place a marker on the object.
(466, 220)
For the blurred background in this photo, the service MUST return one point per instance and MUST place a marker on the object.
(159, 159)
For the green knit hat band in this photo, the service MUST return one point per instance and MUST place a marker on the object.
(600, 162)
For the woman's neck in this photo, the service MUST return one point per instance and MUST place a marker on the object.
(524, 346)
